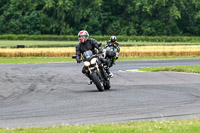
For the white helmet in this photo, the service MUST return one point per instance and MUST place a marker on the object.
(83, 36)
(113, 39)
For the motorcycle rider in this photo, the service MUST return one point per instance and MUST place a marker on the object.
(85, 44)
(112, 42)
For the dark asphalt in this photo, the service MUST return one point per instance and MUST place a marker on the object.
(34, 95)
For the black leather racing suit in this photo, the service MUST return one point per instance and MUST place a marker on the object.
(116, 45)
(90, 44)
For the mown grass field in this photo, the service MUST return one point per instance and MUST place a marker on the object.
(35, 44)
(42, 44)
(177, 126)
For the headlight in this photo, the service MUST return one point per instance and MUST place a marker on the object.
(86, 63)
(93, 61)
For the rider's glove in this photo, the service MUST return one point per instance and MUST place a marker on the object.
(100, 51)
(78, 60)
(104, 54)
(117, 54)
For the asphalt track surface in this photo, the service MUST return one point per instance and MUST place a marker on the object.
(35, 95)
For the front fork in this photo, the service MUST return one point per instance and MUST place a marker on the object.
(103, 72)
(96, 69)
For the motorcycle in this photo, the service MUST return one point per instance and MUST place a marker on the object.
(96, 70)
(110, 55)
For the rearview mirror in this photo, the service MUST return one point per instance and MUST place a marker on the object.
(74, 56)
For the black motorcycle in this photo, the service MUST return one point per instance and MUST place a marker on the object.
(96, 70)
(110, 55)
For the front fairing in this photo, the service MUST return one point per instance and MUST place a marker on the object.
(90, 61)
(87, 55)
(111, 52)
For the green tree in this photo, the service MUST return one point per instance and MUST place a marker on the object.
(100, 17)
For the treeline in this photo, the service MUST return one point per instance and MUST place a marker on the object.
(101, 17)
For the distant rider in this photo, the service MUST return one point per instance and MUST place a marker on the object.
(112, 42)
(85, 44)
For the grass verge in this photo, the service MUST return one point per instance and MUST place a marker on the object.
(36, 44)
(178, 126)
(156, 58)
(192, 69)
(18, 60)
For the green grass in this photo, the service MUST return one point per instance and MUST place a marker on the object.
(132, 43)
(192, 69)
(34, 44)
(17, 60)
(43, 44)
(120, 38)
(178, 126)
(154, 58)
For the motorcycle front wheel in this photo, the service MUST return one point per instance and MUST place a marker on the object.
(96, 81)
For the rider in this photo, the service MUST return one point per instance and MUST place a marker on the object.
(112, 42)
(85, 44)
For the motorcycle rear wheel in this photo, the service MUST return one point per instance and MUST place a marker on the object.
(107, 85)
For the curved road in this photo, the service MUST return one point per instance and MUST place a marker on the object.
(33, 95)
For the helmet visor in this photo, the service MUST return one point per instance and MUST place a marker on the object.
(82, 37)
(113, 38)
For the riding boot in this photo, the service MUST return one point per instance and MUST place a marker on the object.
(90, 81)
(109, 73)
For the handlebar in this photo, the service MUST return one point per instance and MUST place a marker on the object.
(95, 55)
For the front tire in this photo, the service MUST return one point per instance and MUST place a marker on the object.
(97, 82)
